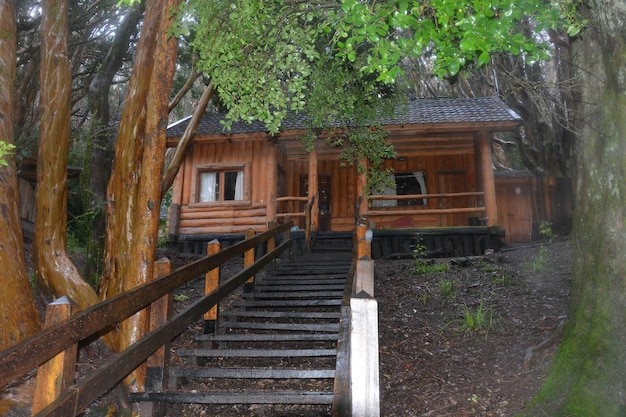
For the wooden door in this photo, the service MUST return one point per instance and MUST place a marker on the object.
(323, 200)
(514, 209)
(450, 182)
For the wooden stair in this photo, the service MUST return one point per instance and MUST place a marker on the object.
(277, 344)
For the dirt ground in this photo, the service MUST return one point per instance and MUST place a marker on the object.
(474, 340)
(436, 360)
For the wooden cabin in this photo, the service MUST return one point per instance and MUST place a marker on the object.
(244, 178)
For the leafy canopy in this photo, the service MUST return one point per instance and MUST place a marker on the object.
(263, 55)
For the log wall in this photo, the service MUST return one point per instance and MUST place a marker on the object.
(235, 216)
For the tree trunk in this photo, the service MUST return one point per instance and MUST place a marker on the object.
(97, 168)
(57, 274)
(133, 194)
(589, 375)
(18, 312)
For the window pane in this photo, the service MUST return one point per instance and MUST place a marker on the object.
(409, 184)
(230, 186)
(209, 186)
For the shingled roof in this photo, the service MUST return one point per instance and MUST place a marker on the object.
(418, 112)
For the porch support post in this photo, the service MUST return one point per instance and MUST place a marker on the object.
(486, 177)
(312, 192)
(362, 202)
(272, 188)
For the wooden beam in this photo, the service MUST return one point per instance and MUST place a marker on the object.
(362, 187)
(271, 167)
(313, 190)
(488, 182)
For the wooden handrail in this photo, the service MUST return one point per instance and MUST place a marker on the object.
(420, 196)
(21, 358)
(292, 198)
(82, 394)
(424, 211)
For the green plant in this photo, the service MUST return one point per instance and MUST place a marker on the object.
(538, 262)
(545, 231)
(478, 320)
(502, 278)
(422, 267)
(423, 297)
(181, 297)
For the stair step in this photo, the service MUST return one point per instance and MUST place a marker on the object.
(282, 314)
(277, 337)
(288, 397)
(257, 353)
(252, 373)
(287, 303)
(270, 286)
(292, 294)
(273, 280)
(312, 327)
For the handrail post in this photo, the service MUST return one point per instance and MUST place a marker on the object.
(288, 236)
(271, 243)
(57, 373)
(211, 283)
(156, 374)
(364, 277)
(248, 259)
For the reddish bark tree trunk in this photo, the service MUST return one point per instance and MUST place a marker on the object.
(18, 312)
(133, 194)
(56, 273)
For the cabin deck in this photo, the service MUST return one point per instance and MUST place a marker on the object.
(386, 243)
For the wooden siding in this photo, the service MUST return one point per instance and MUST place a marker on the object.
(232, 216)
(524, 202)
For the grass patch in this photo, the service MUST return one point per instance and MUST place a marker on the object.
(538, 262)
(422, 267)
(476, 321)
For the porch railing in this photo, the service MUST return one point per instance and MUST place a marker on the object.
(395, 211)
(419, 210)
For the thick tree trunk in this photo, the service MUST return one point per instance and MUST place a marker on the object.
(589, 376)
(18, 312)
(97, 168)
(57, 274)
(133, 194)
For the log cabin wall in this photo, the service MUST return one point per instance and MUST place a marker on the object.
(343, 193)
(235, 216)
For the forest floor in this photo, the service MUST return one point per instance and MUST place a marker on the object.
(476, 339)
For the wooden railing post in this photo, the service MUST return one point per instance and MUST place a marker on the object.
(288, 236)
(156, 374)
(58, 373)
(364, 277)
(248, 259)
(211, 282)
(271, 244)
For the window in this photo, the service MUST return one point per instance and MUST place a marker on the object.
(407, 183)
(221, 184)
